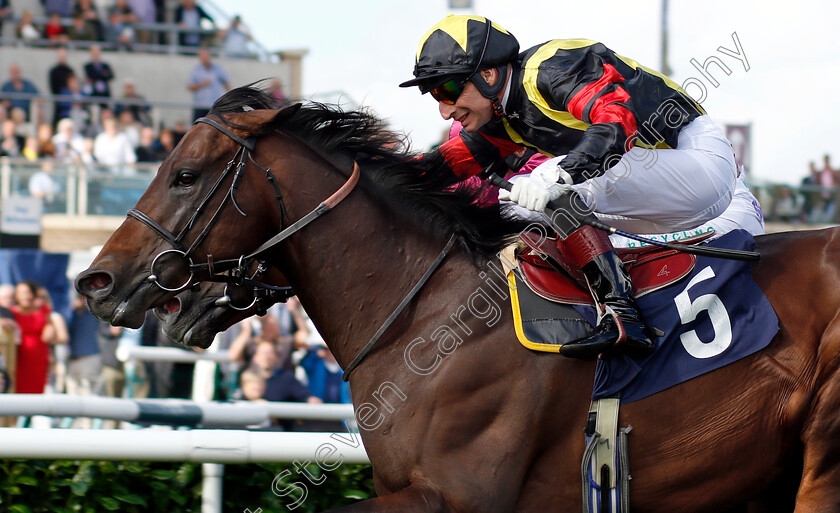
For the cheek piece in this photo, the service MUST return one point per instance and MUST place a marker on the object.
(492, 92)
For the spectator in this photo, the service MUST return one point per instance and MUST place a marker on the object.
(30, 149)
(86, 10)
(168, 379)
(58, 327)
(43, 185)
(282, 336)
(165, 143)
(74, 105)
(189, 15)
(130, 128)
(252, 388)
(5, 383)
(146, 12)
(37, 332)
(5, 13)
(149, 150)
(45, 148)
(18, 85)
(67, 142)
(23, 128)
(787, 206)
(84, 368)
(324, 375)
(98, 125)
(134, 103)
(828, 175)
(207, 82)
(26, 29)
(824, 207)
(121, 19)
(235, 40)
(280, 384)
(54, 29)
(98, 75)
(8, 325)
(252, 385)
(62, 8)
(113, 374)
(58, 78)
(11, 144)
(179, 130)
(7, 296)
(276, 90)
(112, 148)
(81, 30)
(85, 357)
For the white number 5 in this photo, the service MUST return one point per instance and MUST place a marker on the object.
(689, 310)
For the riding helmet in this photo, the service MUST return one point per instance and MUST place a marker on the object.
(460, 46)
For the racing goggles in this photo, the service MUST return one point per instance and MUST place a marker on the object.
(449, 91)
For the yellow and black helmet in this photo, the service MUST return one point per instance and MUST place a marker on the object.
(460, 46)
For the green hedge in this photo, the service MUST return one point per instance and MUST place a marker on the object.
(34, 486)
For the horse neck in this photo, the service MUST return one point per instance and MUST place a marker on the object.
(352, 268)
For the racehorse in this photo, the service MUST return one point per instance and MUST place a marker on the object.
(454, 413)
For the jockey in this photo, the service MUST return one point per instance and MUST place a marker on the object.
(639, 150)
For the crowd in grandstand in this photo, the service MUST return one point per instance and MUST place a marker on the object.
(93, 118)
(814, 201)
(123, 24)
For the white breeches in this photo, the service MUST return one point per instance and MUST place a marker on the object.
(669, 190)
(674, 194)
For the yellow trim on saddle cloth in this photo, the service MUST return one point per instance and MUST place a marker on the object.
(517, 321)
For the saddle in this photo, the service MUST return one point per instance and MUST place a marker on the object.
(543, 268)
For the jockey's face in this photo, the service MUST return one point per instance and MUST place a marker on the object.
(472, 109)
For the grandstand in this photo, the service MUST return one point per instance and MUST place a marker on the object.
(159, 66)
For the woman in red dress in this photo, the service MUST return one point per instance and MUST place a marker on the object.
(36, 332)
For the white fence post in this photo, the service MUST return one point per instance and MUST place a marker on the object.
(211, 487)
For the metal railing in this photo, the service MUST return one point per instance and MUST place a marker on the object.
(166, 35)
(75, 188)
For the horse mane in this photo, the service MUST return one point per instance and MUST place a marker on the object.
(419, 186)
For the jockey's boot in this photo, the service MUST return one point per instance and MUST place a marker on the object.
(620, 326)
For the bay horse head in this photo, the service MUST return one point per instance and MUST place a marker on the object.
(209, 175)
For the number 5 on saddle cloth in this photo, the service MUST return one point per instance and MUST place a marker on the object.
(706, 312)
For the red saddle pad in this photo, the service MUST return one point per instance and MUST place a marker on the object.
(650, 268)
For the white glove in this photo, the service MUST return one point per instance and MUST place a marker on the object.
(550, 172)
(532, 193)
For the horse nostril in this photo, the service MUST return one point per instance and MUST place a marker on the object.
(94, 283)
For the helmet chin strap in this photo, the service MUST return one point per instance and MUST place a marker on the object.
(492, 92)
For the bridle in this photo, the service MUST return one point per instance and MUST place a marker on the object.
(237, 268)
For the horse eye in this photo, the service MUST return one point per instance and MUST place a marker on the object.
(186, 178)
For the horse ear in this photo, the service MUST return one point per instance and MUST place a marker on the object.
(272, 117)
(287, 112)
